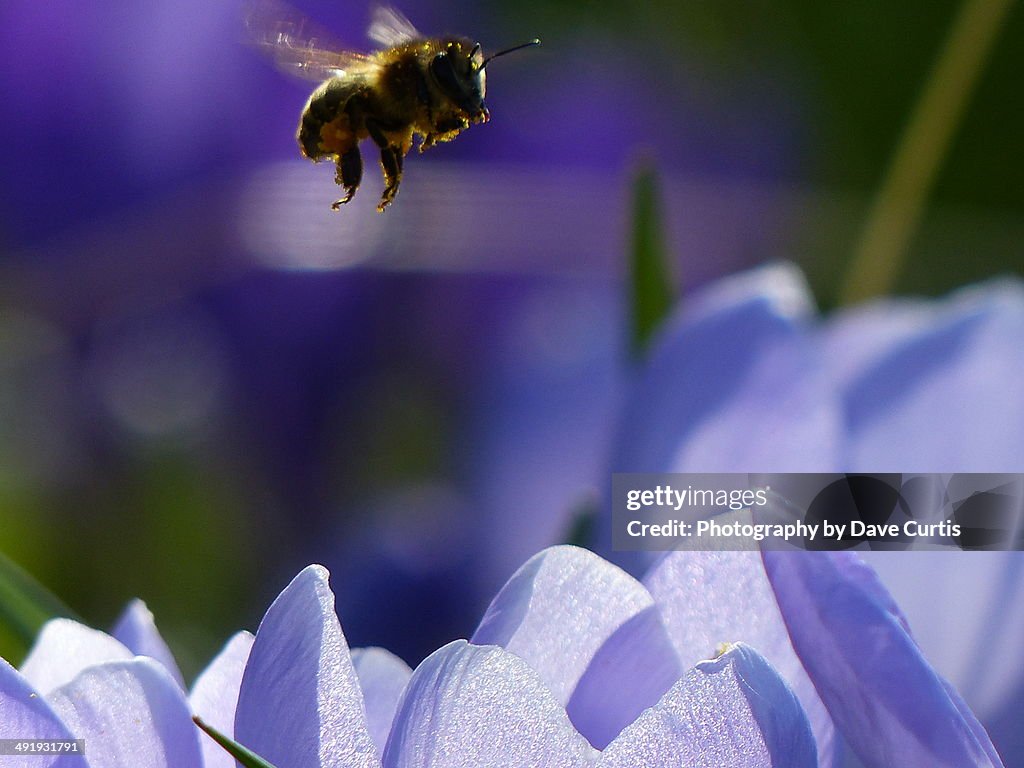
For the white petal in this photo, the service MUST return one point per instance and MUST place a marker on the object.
(137, 630)
(483, 707)
(733, 712)
(382, 676)
(558, 609)
(132, 714)
(215, 696)
(63, 649)
(300, 705)
(24, 714)
(710, 598)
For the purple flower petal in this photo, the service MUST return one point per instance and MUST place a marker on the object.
(972, 722)
(557, 610)
(733, 711)
(920, 384)
(215, 695)
(63, 649)
(854, 339)
(299, 705)
(480, 706)
(984, 593)
(782, 415)
(132, 714)
(383, 677)
(1004, 728)
(710, 598)
(137, 630)
(628, 674)
(24, 714)
(888, 703)
(733, 384)
(737, 349)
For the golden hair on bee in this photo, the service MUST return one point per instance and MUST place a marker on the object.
(430, 88)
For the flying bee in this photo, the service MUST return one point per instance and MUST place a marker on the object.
(414, 86)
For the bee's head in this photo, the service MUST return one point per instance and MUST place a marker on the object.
(459, 72)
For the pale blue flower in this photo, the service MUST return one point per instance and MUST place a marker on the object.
(714, 659)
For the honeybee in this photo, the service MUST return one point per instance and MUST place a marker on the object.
(414, 86)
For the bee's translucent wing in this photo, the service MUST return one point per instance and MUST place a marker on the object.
(389, 27)
(297, 45)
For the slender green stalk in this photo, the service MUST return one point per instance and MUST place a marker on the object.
(25, 605)
(651, 285)
(244, 757)
(900, 202)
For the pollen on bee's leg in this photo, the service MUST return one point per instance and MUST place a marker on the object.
(336, 137)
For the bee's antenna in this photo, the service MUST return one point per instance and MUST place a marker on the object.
(493, 56)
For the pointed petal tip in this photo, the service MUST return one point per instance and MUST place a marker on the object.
(733, 710)
(64, 648)
(314, 572)
(299, 700)
(563, 591)
(780, 284)
(481, 705)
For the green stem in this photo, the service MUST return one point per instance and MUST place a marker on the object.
(25, 605)
(651, 286)
(900, 201)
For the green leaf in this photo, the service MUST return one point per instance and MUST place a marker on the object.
(246, 757)
(25, 605)
(583, 523)
(651, 281)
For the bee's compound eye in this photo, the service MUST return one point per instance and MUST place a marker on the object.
(443, 70)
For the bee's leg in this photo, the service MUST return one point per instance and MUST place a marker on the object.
(390, 163)
(348, 175)
(444, 130)
(429, 141)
